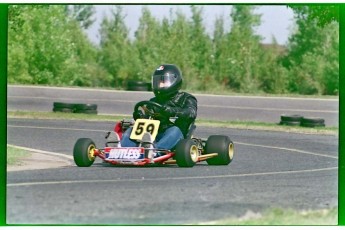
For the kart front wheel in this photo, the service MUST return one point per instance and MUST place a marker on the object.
(83, 152)
(186, 153)
(223, 146)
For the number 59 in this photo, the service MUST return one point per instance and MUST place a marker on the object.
(142, 126)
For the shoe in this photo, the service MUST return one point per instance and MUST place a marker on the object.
(147, 143)
(112, 139)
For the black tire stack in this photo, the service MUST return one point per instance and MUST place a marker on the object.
(292, 120)
(298, 120)
(85, 108)
(75, 108)
(313, 122)
(63, 107)
(138, 86)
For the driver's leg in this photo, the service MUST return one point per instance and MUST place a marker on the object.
(126, 141)
(169, 139)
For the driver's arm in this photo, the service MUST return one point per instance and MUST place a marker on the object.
(188, 111)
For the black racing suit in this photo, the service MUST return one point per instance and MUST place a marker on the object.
(184, 106)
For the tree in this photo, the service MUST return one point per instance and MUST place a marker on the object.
(243, 49)
(273, 76)
(149, 43)
(323, 14)
(313, 56)
(81, 13)
(201, 48)
(117, 55)
(46, 47)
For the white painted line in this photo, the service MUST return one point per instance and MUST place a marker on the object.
(78, 89)
(42, 152)
(195, 94)
(199, 105)
(269, 109)
(72, 99)
(268, 97)
(240, 143)
(172, 178)
(288, 149)
(55, 128)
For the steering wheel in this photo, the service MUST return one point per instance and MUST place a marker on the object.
(148, 108)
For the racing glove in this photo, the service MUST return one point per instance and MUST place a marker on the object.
(169, 111)
(137, 114)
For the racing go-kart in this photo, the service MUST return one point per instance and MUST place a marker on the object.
(216, 150)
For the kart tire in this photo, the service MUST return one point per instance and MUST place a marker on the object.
(186, 153)
(290, 123)
(312, 125)
(86, 111)
(138, 86)
(63, 105)
(83, 152)
(223, 146)
(63, 110)
(291, 118)
(85, 107)
(315, 120)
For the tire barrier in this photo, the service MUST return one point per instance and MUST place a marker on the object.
(298, 120)
(292, 120)
(74, 108)
(313, 122)
(138, 86)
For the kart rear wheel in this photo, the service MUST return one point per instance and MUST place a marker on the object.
(186, 153)
(223, 146)
(83, 152)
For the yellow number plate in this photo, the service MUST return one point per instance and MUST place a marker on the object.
(142, 126)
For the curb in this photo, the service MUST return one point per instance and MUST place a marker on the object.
(40, 159)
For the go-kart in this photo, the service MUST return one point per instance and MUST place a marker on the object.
(216, 150)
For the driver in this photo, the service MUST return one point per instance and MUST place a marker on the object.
(182, 106)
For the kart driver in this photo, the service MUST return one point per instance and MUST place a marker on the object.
(166, 83)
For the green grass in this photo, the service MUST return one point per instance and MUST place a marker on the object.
(200, 122)
(251, 125)
(14, 155)
(284, 217)
(64, 116)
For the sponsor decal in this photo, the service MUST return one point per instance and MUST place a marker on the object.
(124, 153)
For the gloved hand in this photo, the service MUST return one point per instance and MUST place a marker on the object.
(168, 111)
(138, 114)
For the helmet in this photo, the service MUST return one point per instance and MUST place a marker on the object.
(166, 81)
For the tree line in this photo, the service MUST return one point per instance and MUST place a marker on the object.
(48, 45)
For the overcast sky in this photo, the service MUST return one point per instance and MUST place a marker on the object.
(276, 20)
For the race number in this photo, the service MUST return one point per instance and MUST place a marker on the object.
(142, 126)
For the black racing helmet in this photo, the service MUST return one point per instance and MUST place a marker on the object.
(166, 80)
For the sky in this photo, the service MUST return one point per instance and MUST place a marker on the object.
(277, 20)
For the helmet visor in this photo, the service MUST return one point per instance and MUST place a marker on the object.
(163, 81)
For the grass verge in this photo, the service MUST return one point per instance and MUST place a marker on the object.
(284, 217)
(200, 122)
(14, 155)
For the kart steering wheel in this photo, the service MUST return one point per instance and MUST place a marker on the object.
(149, 108)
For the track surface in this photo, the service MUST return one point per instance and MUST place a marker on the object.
(245, 108)
(270, 169)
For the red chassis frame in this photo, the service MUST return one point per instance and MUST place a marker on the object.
(119, 130)
(164, 159)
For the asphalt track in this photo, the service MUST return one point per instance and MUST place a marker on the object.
(269, 170)
(212, 107)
